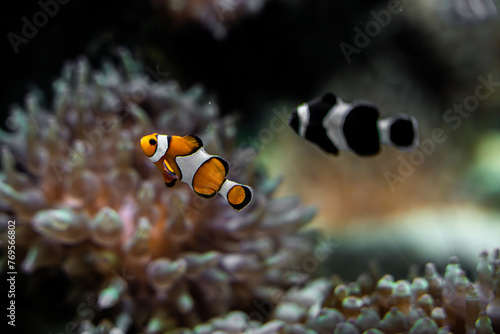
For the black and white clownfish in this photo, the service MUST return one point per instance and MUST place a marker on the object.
(335, 125)
(184, 159)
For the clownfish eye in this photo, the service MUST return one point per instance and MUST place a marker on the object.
(152, 142)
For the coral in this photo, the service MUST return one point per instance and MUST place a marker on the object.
(89, 204)
(215, 15)
(431, 303)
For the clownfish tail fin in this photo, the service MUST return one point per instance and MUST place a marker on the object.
(237, 195)
(399, 131)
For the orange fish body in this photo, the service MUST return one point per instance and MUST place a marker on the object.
(185, 159)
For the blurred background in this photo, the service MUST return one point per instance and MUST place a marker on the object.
(260, 59)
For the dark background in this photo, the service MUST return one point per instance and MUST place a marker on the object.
(285, 51)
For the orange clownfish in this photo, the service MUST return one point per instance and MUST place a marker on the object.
(185, 159)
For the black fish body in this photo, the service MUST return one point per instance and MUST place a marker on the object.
(335, 125)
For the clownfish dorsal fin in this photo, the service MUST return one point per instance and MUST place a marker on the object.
(193, 142)
(329, 98)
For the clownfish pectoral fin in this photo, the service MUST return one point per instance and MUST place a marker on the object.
(193, 142)
(237, 195)
(169, 171)
(168, 176)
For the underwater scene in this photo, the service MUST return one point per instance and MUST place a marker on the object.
(250, 166)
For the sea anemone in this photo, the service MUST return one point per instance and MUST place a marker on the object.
(88, 203)
(430, 303)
